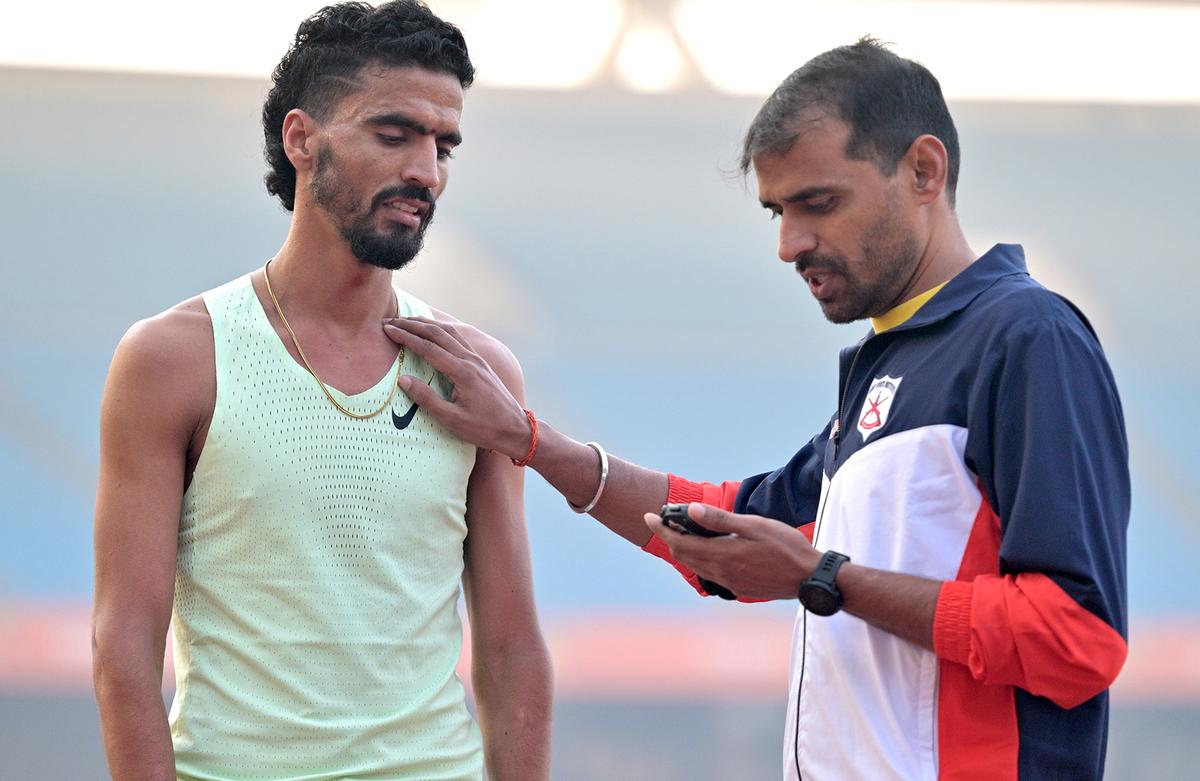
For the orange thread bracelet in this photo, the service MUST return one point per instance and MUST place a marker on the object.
(533, 441)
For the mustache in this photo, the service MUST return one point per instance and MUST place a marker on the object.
(414, 191)
(819, 262)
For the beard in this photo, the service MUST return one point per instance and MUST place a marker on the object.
(392, 248)
(890, 255)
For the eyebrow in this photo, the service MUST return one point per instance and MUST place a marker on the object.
(399, 120)
(803, 195)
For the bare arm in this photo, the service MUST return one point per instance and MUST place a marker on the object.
(484, 411)
(511, 669)
(144, 439)
(574, 470)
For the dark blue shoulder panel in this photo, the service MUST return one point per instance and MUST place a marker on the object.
(792, 492)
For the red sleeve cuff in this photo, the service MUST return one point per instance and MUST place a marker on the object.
(952, 621)
(656, 547)
(679, 491)
(682, 491)
(1024, 630)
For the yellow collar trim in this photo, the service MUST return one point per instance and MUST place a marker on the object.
(903, 312)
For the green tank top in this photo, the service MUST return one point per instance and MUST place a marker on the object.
(316, 629)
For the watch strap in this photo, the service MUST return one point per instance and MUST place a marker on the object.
(819, 592)
(827, 569)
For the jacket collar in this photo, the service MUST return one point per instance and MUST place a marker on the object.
(1000, 261)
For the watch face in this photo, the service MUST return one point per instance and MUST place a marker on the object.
(819, 600)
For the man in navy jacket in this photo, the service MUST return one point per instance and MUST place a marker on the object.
(960, 564)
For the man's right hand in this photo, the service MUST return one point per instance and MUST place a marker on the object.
(480, 410)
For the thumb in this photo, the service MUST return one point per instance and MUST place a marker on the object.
(719, 520)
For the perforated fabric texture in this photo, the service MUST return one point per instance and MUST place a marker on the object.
(315, 623)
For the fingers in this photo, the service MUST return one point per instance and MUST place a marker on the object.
(434, 354)
(689, 549)
(760, 559)
(719, 520)
(448, 328)
(656, 526)
(444, 335)
(428, 398)
(710, 517)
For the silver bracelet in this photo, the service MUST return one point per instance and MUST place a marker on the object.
(603, 479)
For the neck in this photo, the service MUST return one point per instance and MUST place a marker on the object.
(945, 254)
(315, 276)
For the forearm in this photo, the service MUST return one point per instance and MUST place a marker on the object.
(573, 469)
(137, 739)
(902, 605)
(514, 690)
(1015, 630)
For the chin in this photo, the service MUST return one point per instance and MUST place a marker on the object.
(838, 315)
(390, 261)
(387, 254)
(392, 250)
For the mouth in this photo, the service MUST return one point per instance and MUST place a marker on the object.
(818, 282)
(406, 211)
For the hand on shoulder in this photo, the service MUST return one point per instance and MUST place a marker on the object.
(489, 390)
(497, 355)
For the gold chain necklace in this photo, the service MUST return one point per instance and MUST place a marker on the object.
(313, 372)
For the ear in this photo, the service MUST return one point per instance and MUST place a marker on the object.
(928, 164)
(299, 139)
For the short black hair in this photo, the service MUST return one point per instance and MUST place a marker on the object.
(331, 47)
(886, 100)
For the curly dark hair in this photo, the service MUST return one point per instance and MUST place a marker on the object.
(332, 46)
(886, 100)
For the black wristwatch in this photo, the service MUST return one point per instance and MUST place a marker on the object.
(819, 594)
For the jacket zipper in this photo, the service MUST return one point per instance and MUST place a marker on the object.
(837, 436)
(837, 439)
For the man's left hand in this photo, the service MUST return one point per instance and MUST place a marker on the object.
(759, 558)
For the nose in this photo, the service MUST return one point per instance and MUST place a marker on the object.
(795, 239)
(421, 165)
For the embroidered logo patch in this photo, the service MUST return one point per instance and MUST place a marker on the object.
(876, 406)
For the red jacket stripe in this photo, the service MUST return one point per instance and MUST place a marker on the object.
(978, 739)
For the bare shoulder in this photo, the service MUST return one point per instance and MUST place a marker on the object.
(168, 356)
(170, 341)
(495, 352)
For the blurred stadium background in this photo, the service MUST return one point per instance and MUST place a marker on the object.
(592, 224)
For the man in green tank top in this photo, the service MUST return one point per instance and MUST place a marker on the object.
(269, 492)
